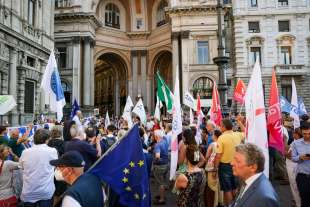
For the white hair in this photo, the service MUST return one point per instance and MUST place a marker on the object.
(75, 131)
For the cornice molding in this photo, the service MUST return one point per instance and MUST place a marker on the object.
(78, 16)
(190, 9)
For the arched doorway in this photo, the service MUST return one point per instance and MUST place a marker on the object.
(203, 86)
(110, 84)
(163, 64)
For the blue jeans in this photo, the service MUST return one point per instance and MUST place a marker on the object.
(41, 203)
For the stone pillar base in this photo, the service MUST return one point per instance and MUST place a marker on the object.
(13, 119)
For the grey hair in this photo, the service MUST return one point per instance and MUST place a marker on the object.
(253, 155)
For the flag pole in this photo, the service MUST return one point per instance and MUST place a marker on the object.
(111, 148)
(241, 108)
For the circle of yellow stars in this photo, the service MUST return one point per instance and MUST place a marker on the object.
(125, 179)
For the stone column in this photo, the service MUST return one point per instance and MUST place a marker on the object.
(76, 83)
(117, 97)
(143, 78)
(185, 61)
(92, 74)
(13, 83)
(149, 96)
(134, 60)
(42, 100)
(175, 54)
(87, 73)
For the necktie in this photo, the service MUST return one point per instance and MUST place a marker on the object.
(240, 194)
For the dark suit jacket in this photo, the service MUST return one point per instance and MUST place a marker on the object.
(259, 194)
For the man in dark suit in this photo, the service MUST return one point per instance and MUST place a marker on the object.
(256, 190)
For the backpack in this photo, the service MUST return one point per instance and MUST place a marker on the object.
(108, 142)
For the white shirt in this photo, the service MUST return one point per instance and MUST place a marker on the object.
(38, 174)
(68, 201)
(250, 181)
(77, 121)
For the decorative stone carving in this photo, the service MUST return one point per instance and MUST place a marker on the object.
(286, 40)
(256, 40)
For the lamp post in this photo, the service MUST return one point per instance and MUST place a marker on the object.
(221, 61)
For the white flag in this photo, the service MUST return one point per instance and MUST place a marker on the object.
(127, 111)
(7, 103)
(139, 110)
(51, 85)
(190, 101)
(176, 126)
(107, 120)
(255, 114)
(157, 108)
(294, 109)
(191, 116)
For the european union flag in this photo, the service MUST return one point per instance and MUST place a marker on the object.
(124, 169)
(75, 108)
(285, 105)
(301, 107)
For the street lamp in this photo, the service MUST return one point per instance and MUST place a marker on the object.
(221, 61)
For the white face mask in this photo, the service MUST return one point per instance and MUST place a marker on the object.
(58, 175)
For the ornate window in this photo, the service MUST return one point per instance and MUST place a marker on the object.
(253, 27)
(62, 3)
(283, 2)
(284, 26)
(203, 86)
(286, 55)
(255, 49)
(62, 61)
(112, 16)
(253, 3)
(203, 52)
(285, 49)
(67, 91)
(31, 12)
(255, 53)
(29, 96)
(161, 17)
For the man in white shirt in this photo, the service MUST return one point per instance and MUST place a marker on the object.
(38, 174)
(77, 119)
(248, 165)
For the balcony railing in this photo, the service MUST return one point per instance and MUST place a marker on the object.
(290, 69)
(62, 3)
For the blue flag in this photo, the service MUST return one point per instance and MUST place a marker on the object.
(124, 169)
(285, 105)
(75, 108)
(301, 107)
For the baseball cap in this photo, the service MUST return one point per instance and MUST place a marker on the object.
(69, 159)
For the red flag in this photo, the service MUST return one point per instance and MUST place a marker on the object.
(200, 116)
(240, 92)
(198, 105)
(215, 113)
(274, 117)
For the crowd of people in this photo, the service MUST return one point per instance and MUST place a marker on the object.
(222, 169)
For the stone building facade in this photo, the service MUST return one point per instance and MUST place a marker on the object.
(26, 38)
(111, 49)
(278, 33)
